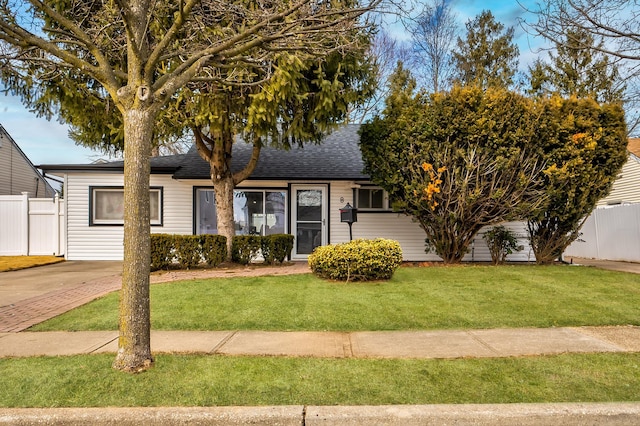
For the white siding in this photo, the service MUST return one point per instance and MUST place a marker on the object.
(627, 188)
(408, 233)
(86, 242)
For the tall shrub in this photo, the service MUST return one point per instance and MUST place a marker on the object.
(585, 148)
(456, 161)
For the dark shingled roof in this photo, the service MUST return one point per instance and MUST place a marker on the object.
(159, 165)
(337, 157)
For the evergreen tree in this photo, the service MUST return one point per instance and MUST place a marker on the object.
(585, 146)
(578, 69)
(487, 57)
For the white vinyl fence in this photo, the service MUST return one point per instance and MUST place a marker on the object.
(31, 226)
(610, 233)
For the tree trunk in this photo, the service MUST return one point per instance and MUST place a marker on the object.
(134, 343)
(223, 189)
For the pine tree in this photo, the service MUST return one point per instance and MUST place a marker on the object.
(487, 57)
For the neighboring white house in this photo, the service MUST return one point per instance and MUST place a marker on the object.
(299, 191)
(626, 190)
(17, 173)
(612, 231)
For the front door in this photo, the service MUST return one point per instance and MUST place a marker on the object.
(309, 221)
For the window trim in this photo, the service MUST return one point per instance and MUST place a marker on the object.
(264, 203)
(263, 189)
(93, 221)
(385, 200)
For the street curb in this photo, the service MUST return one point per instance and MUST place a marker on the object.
(566, 414)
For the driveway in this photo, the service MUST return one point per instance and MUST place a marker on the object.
(611, 265)
(16, 286)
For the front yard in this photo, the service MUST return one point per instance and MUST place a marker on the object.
(417, 298)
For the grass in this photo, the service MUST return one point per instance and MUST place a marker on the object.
(189, 380)
(416, 298)
(13, 263)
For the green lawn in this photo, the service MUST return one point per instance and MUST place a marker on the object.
(416, 298)
(189, 380)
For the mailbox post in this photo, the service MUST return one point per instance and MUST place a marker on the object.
(349, 215)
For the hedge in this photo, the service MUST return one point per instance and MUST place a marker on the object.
(276, 247)
(187, 251)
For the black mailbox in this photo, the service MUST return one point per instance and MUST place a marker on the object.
(348, 214)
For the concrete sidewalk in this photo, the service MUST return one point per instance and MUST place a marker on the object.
(439, 344)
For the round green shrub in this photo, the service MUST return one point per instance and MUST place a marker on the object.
(358, 260)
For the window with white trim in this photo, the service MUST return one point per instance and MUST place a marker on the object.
(372, 198)
(106, 205)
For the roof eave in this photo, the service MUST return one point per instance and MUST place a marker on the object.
(66, 168)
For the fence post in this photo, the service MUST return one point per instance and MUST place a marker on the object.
(56, 218)
(25, 225)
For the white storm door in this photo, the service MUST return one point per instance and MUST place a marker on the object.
(309, 218)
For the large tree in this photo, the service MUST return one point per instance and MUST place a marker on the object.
(455, 161)
(384, 52)
(487, 56)
(142, 53)
(299, 102)
(585, 147)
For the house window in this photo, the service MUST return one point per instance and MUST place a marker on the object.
(107, 205)
(372, 198)
(255, 212)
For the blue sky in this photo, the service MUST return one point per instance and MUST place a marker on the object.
(46, 142)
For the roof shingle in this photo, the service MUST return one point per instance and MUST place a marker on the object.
(337, 157)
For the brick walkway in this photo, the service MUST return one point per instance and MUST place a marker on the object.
(25, 313)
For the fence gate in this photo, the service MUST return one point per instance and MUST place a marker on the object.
(31, 226)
